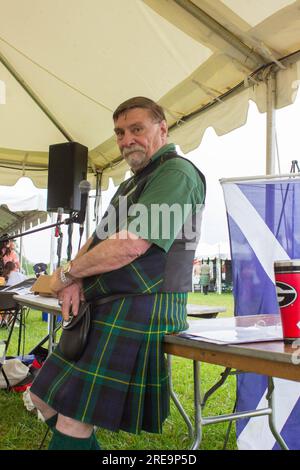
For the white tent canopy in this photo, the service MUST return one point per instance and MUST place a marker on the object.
(65, 66)
(216, 250)
(20, 211)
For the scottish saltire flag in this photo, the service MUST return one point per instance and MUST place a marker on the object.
(264, 226)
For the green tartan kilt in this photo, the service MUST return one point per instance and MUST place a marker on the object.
(121, 380)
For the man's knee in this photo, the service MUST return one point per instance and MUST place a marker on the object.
(38, 403)
(45, 409)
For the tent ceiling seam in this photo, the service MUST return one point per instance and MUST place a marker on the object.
(64, 82)
(34, 97)
(19, 166)
(38, 101)
(222, 32)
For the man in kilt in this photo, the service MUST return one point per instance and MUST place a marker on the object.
(135, 271)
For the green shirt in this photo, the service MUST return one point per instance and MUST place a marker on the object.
(173, 192)
(168, 182)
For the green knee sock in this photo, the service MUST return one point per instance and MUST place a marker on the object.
(62, 441)
(95, 443)
(51, 422)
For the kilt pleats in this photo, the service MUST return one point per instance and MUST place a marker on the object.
(121, 380)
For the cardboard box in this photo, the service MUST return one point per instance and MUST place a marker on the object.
(42, 286)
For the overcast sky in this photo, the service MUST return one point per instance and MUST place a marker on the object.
(239, 153)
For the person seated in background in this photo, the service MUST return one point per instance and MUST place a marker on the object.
(11, 255)
(3, 248)
(2, 278)
(12, 275)
(40, 269)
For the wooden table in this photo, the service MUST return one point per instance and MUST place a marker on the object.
(271, 358)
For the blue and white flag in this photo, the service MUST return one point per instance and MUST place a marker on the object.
(264, 226)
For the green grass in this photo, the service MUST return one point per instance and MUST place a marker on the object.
(20, 429)
(213, 299)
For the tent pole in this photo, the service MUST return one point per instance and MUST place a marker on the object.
(52, 245)
(21, 246)
(270, 150)
(294, 176)
(271, 123)
(219, 275)
(87, 220)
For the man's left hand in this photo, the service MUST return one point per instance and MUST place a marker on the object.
(70, 298)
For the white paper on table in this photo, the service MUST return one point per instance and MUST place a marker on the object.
(237, 334)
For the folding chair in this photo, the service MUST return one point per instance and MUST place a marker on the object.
(8, 305)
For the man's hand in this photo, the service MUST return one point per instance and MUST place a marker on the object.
(70, 298)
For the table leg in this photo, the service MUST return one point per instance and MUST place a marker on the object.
(224, 375)
(272, 425)
(19, 318)
(50, 332)
(200, 421)
(197, 406)
(176, 400)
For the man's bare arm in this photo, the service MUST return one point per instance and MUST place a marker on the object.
(114, 253)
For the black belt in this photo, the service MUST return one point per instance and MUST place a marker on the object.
(111, 298)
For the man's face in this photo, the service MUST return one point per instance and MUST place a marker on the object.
(139, 136)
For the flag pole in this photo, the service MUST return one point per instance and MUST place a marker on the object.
(250, 179)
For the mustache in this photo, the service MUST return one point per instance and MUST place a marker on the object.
(135, 148)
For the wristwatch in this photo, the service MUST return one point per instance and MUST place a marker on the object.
(65, 276)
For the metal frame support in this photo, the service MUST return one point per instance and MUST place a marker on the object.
(248, 57)
(22, 229)
(176, 400)
(271, 123)
(200, 421)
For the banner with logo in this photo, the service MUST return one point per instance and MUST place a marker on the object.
(264, 226)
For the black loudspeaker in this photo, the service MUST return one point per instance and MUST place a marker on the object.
(67, 167)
